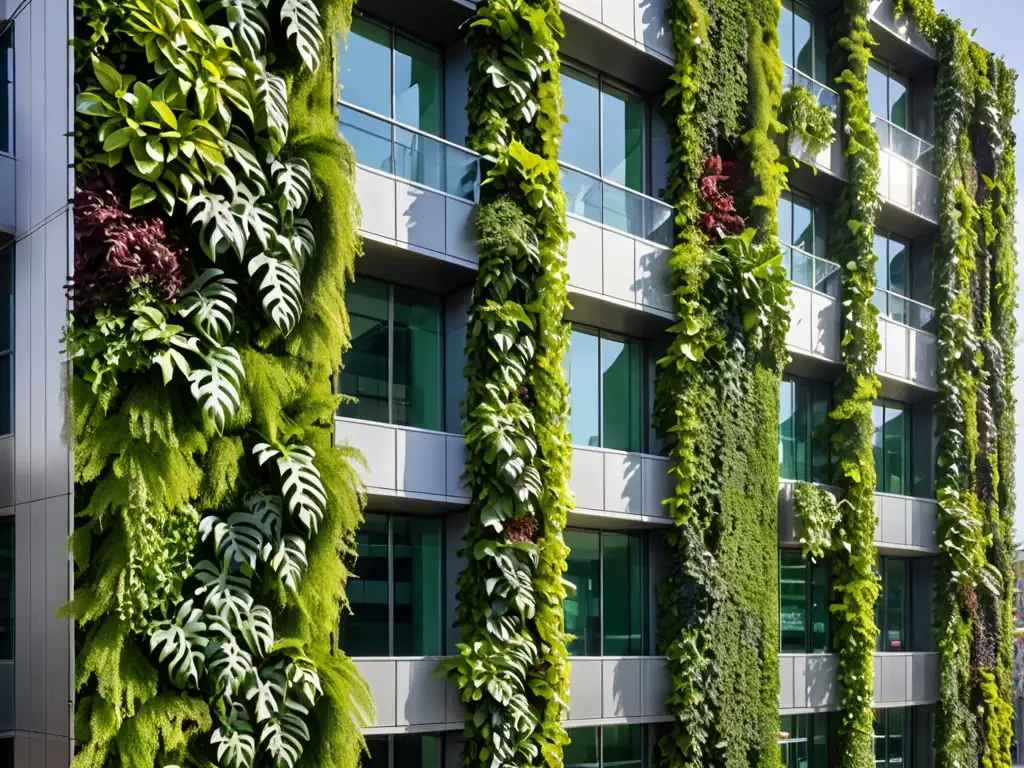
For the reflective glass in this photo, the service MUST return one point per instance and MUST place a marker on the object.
(583, 610)
(898, 267)
(794, 740)
(378, 749)
(582, 749)
(787, 434)
(895, 601)
(418, 354)
(622, 746)
(584, 388)
(417, 85)
(623, 595)
(419, 158)
(621, 395)
(878, 89)
(7, 587)
(370, 138)
(416, 547)
(7, 94)
(581, 135)
(803, 444)
(897, 449)
(623, 210)
(583, 194)
(6, 394)
(416, 751)
(895, 727)
(793, 601)
(786, 218)
(365, 365)
(819, 607)
(622, 138)
(365, 67)
(899, 102)
(803, 224)
(803, 40)
(786, 47)
(6, 299)
(366, 631)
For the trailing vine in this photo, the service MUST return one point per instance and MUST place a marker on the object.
(718, 388)
(818, 513)
(512, 667)
(215, 229)
(807, 121)
(855, 583)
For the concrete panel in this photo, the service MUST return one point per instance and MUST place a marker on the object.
(826, 329)
(35, 750)
(618, 15)
(584, 255)
(657, 486)
(923, 364)
(623, 482)
(653, 286)
(376, 194)
(420, 462)
(891, 673)
(420, 696)
(6, 696)
(380, 676)
(377, 444)
(586, 479)
(924, 524)
(619, 255)
(893, 520)
(420, 217)
(591, 8)
(655, 686)
(460, 231)
(651, 27)
(7, 195)
(787, 694)
(893, 356)
(621, 683)
(820, 679)
(585, 689)
(455, 466)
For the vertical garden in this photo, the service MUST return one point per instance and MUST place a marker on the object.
(214, 232)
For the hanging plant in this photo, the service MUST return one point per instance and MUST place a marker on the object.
(819, 515)
(807, 122)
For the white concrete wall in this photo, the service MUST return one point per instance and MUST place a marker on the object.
(641, 22)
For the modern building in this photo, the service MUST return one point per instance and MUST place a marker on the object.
(403, 97)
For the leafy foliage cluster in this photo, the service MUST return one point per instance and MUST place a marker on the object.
(812, 124)
(718, 187)
(818, 514)
(213, 512)
(717, 392)
(512, 667)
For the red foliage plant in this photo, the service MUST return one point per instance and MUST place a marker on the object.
(520, 529)
(717, 188)
(116, 250)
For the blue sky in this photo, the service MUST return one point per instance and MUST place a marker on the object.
(1000, 28)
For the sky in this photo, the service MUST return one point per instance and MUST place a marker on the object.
(999, 27)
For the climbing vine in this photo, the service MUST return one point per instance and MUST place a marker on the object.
(818, 514)
(215, 230)
(808, 122)
(512, 667)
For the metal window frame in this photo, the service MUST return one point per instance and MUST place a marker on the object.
(894, 75)
(815, 18)
(7, 263)
(885, 404)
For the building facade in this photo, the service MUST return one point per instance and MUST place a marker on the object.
(403, 91)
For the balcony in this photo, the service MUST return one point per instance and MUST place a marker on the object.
(906, 329)
(830, 159)
(808, 681)
(614, 484)
(814, 324)
(409, 697)
(908, 179)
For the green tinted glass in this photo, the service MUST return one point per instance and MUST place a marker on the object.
(621, 395)
(582, 749)
(896, 449)
(583, 609)
(364, 372)
(416, 565)
(622, 746)
(366, 631)
(418, 359)
(581, 135)
(819, 606)
(793, 601)
(583, 374)
(787, 429)
(7, 587)
(895, 599)
(416, 751)
(793, 741)
(417, 85)
(365, 67)
(622, 138)
(622, 598)
(379, 749)
(803, 442)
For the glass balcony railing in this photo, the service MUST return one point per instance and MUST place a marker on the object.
(413, 155)
(617, 207)
(826, 96)
(811, 271)
(905, 310)
(903, 143)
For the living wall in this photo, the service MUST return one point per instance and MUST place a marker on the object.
(512, 669)
(718, 386)
(214, 232)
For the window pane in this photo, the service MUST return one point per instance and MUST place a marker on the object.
(370, 138)
(377, 746)
(896, 741)
(365, 67)
(581, 140)
(623, 746)
(819, 741)
(583, 195)
(877, 417)
(6, 299)
(365, 366)
(416, 544)
(417, 86)
(895, 600)
(417, 751)
(623, 595)
(581, 751)
(620, 394)
(898, 255)
(6, 589)
(803, 43)
(786, 216)
(420, 159)
(6, 394)
(786, 33)
(787, 444)
(881, 261)
(819, 433)
(622, 138)
(583, 610)
(803, 224)
(793, 601)
(802, 430)
(584, 396)
(7, 107)
(896, 449)
(819, 607)
(880, 745)
(899, 102)
(365, 631)
(793, 741)
(418, 359)
(878, 90)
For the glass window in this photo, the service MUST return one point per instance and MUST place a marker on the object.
(889, 94)
(892, 278)
(802, 40)
(615, 746)
(803, 603)
(403, 751)
(6, 340)
(7, 752)
(803, 416)
(417, 85)
(6, 588)
(891, 444)
(7, 91)
(802, 234)
(581, 141)
(395, 592)
(892, 742)
(605, 375)
(605, 615)
(892, 609)
(394, 366)
(803, 741)
(365, 67)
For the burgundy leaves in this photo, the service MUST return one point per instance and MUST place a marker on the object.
(117, 250)
(717, 187)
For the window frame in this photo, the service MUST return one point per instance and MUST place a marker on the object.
(642, 730)
(907, 756)
(442, 572)
(9, 86)
(815, 19)
(442, 354)
(882, 605)
(815, 721)
(7, 409)
(892, 74)
(645, 561)
(810, 568)
(907, 470)
(438, 739)
(813, 387)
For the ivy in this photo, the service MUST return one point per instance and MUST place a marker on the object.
(808, 122)
(818, 513)
(213, 512)
(512, 667)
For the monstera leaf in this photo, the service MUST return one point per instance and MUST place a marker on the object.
(180, 643)
(294, 182)
(301, 485)
(288, 559)
(216, 388)
(219, 228)
(298, 243)
(271, 107)
(258, 630)
(230, 664)
(235, 541)
(302, 25)
(256, 218)
(226, 593)
(265, 510)
(248, 24)
(279, 285)
(234, 740)
(264, 694)
(237, 147)
(283, 738)
(210, 301)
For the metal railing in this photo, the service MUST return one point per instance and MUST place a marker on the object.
(825, 96)
(903, 143)
(902, 309)
(410, 154)
(615, 206)
(806, 269)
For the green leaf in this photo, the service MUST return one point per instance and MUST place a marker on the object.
(302, 26)
(216, 388)
(210, 301)
(142, 194)
(219, 228)
(279, 286)
(109, 78)
(301, 485)
(119, 138)
(180, 643)
(234, 740)
(257, 630)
